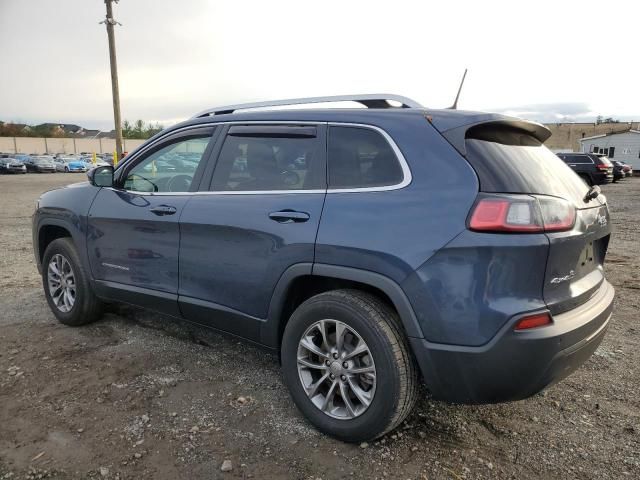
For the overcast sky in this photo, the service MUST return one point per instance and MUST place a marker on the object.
(544, 60)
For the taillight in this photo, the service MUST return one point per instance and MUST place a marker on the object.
(522, 214)
(558, 215)
(601, 166)
(498, 214)
(533, 321)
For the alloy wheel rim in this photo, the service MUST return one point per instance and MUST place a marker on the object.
(336, 369)
(62, 283)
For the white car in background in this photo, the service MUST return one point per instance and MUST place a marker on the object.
(69, 164)
(99, 162)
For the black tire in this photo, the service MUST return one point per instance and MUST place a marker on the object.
(396, 375)
(87, 307)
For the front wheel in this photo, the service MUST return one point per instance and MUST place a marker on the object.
(66, 285)
(347, 365)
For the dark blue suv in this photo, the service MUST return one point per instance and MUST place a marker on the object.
(371, 247)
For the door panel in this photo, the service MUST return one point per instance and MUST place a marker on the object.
(130, 240)
(237, 241)
(232, 253)
(134, 235)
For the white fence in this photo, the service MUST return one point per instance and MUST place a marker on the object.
(41, 145)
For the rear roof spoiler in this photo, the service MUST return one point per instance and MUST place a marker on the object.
(455, 133)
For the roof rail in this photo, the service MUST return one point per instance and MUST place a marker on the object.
(377, 100)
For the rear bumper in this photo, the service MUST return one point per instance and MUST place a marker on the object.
(516, 365)
(600, 178)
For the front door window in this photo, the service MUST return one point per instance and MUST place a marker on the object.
(170, 169)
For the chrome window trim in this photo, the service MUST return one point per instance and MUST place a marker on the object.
(406, 171)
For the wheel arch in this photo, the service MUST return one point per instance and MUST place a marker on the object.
(48, 231)
(302, 281)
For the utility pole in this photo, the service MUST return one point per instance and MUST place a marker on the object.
(110, 23)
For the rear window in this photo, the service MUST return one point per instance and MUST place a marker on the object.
(509, 160)
(360, 158)
(601, 159)
(581, 159)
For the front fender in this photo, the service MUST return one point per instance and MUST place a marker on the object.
(66, 208)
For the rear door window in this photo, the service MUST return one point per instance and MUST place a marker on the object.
(361, 157)
(510, 160)
(270, 158)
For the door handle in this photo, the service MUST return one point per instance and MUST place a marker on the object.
(289, 216)
(163, 210)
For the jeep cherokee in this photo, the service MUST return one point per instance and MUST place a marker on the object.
(370, 247)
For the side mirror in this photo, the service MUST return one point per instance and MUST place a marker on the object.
(101, 176)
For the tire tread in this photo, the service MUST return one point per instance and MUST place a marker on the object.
(387, 321)
(91, 307)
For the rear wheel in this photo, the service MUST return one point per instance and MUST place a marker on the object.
(66, 285)
(348, 366)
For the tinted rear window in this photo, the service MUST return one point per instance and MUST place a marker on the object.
(578, 159)
(361, 157)
(509, 160)
(601, 160)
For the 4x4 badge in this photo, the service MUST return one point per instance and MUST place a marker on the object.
(563, 279)
(602, 220)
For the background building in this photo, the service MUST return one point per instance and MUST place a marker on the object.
(565, 137)
(623, 146)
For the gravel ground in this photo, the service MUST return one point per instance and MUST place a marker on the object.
(138, 395)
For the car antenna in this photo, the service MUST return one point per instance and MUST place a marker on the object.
(455, 103)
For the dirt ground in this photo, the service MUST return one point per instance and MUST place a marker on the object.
(138, 395)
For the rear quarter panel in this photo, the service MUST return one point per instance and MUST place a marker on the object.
(394, 232)
(468, 290)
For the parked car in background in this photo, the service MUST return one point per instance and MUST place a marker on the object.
(11, 165)
(98, 163)
(594, 169)
(361, 267)
(70, 164)
(626, 169)
(41, 164)
(107, 157)
(618, 170)
(23, 157)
